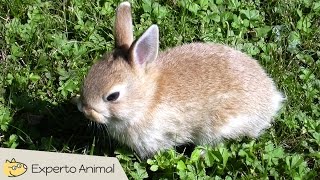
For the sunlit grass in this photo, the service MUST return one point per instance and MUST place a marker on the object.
(46, 49)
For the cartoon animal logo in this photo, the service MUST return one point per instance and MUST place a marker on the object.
(13, 168)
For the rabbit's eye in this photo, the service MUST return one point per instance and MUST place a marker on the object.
(113, 96)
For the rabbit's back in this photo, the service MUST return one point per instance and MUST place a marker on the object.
(219, 91)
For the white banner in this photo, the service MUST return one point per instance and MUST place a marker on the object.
(34, 165)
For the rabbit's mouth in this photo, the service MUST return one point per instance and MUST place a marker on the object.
(93, 115)
(89, 112)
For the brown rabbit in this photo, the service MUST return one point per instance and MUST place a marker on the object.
(196, 93)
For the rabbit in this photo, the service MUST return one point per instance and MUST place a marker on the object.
(197, 93)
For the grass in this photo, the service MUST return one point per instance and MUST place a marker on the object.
(46, 49)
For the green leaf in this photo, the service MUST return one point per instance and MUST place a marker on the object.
(141, 172)
(263, 31)
(147, 6)
(234, 4)
(215, 17)
(5, 118)
(34, 78)
(150, 162)
(304, 24)
(307, 3)
(9, 78)
(246, 23)
(71, 85)
(218, 2)
(203, 4)
(154, 168)
(294, 161)
(225, 156)
(315, 154)
(251, 14)
(194, 8)
(294, 41)
(12, 143)
(63, 73)
(242, 153)
(16, 51)
(209, 158)
(195, 156)
(316, 6)
(181, 165)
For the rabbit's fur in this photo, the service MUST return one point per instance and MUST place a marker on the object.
(196, 93)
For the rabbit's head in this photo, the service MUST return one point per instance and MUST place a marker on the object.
(119, 87)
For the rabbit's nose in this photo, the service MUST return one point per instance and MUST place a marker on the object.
(86, 110)
(91, 114)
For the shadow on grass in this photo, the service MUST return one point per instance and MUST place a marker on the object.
(62, 128)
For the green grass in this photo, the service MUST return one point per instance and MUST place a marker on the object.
(46, 49)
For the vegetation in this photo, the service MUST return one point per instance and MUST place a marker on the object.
(46, 49)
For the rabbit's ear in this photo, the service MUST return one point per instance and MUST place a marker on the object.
(146, 48)
(123, 26)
